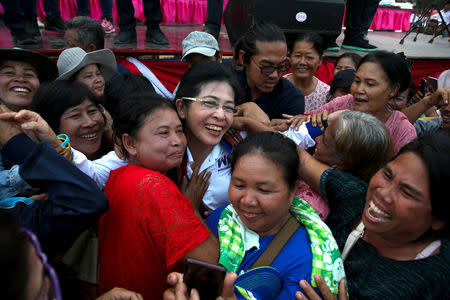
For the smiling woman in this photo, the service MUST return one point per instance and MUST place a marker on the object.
(149, 217)
(21, 73)
(264, 177)
(399, 220)
(206, 105)
(72, 109)
(91, 69)
(305, 56)
(380, 77)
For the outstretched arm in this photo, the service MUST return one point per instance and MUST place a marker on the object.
(74, 202)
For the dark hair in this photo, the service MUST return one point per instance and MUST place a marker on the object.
(206, 72)
(52, 99)
(342, 79)
(434, 150)
(356, 58)
(89, 31)
(13, 259)
(131, 114)
(395, 68)
(411, 89)
(277, 148)
(262, 31)
(311, 37)
(120, 87)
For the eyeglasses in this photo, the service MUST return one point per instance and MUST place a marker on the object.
(267, 70)
(211, 104)
(54, 292)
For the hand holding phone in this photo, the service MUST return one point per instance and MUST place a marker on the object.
(205, 277)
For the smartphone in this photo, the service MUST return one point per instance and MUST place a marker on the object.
(205, 277)
(433, 83)
(423, 86)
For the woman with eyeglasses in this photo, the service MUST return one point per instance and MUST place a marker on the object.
(151, 227)
(206, 104)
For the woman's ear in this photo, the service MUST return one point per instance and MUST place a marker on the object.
(241, 57)
(437, 224)
(129, 144)
(394, 90)
(181, 108)
(292, 193)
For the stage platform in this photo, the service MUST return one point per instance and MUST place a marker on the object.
(176, 32)
(429, 59)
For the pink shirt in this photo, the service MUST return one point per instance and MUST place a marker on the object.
(401, 130)
(318, 97)
(314, 199)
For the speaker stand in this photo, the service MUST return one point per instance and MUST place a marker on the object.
(425, 15)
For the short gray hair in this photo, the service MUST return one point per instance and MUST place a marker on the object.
(89, 31)
(362, 143)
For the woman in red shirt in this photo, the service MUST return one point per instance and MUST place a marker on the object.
(150, 226)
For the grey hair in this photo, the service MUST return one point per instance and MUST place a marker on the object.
(362, 143)
(89, 31)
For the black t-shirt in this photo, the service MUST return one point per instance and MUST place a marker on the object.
(285, 98)
(370, 275)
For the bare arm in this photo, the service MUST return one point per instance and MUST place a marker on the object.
(249, 125)
(438, 98)
(311, 169)
(207, 251)
(253, 111)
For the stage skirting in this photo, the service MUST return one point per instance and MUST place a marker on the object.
(170, 72)
(391, 19)
(173, 11)
(194, 11)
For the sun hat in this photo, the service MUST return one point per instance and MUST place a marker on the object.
(71, 60)
(199, 42)
(45, 67)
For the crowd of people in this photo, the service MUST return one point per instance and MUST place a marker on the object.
(300, 190)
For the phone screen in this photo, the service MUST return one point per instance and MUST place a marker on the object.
(423, 86)
(433, 82)
(205, 277)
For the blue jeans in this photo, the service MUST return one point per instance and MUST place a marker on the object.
(106, 5)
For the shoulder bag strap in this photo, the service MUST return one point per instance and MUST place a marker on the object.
(277, 244)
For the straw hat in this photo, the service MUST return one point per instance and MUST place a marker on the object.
(45, 67)
(71, 60)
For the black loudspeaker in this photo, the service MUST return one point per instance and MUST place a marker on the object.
(322, 16)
